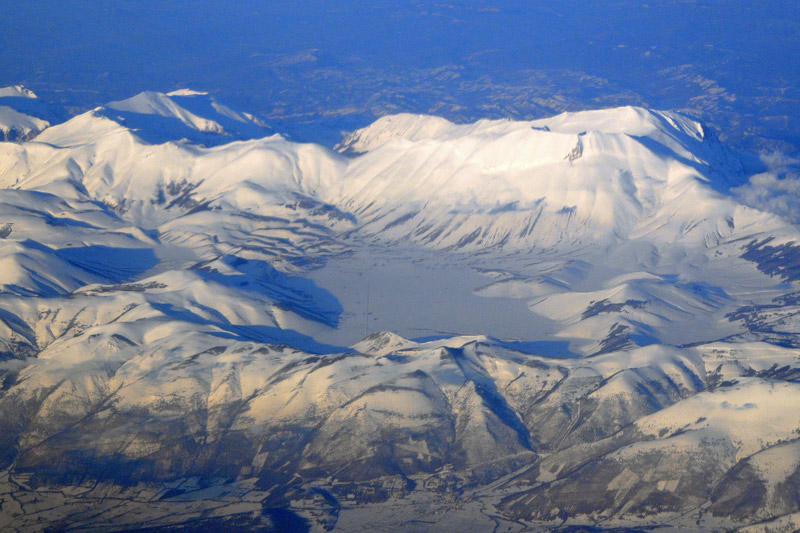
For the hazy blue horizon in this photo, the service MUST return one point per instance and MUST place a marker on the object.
(316, 71)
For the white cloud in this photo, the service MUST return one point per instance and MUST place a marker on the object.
(777, 190)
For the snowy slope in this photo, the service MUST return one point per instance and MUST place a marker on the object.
(96, 157)
(16, 91)
(488, 184)
(185, 114)
(15, 124)
(569, 179)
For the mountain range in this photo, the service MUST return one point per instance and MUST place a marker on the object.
(563, 323)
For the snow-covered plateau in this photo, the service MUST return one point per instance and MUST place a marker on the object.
(566, 322)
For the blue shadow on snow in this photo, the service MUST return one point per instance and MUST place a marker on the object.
(294, 293)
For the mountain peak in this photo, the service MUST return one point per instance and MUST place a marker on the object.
(383, 343)
(597, 173)
(401, 126)
(186, 92)
(21, 114)
(185, 114)
(155, 103)
(17, 91)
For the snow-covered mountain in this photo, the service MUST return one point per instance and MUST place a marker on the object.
(16, 91)
(19, 114)
(614, 174)
(529, 324)
(579, 177)
(185, 114)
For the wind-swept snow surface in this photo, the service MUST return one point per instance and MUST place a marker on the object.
(563, 322)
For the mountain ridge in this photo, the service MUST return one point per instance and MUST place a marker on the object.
(450, 186)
